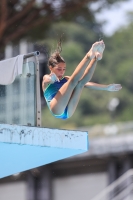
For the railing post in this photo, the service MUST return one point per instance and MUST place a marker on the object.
(112, 176)
(44, 185)
(31, 189)
(38, 96)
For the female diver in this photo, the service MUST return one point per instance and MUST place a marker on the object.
(62, 93)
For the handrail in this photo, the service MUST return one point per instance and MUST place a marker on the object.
(113, 185)
(37, 103)
(123, 193)
(35, 53)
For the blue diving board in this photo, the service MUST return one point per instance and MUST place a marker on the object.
(25, 147)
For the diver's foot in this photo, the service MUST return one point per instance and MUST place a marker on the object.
(95, 47)
(100, 50)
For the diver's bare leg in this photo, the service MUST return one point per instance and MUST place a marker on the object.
(62, 98)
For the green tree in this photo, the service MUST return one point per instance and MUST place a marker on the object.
(31, 18)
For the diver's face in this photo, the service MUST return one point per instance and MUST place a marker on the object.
(59, 69)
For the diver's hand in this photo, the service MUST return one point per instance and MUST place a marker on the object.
(114, 87)
(53, 78)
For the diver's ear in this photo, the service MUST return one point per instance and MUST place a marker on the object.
(50, 68)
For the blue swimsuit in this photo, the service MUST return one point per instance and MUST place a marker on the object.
(51, 91)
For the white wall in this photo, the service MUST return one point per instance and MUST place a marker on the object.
(79, 187)
(13, 191)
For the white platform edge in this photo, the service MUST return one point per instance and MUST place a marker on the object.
(45, 137)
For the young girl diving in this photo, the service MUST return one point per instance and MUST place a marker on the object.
(62, 93)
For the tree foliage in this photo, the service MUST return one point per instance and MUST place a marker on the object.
(31, 18)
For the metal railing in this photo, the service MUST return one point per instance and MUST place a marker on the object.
(20, 101)
(121, 189)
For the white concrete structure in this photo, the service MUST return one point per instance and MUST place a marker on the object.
(23, 147)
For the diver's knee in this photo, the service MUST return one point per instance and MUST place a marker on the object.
(73, 82)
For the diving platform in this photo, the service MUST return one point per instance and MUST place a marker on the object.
(23, 148)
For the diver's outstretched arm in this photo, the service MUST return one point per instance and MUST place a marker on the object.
(111, 87)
